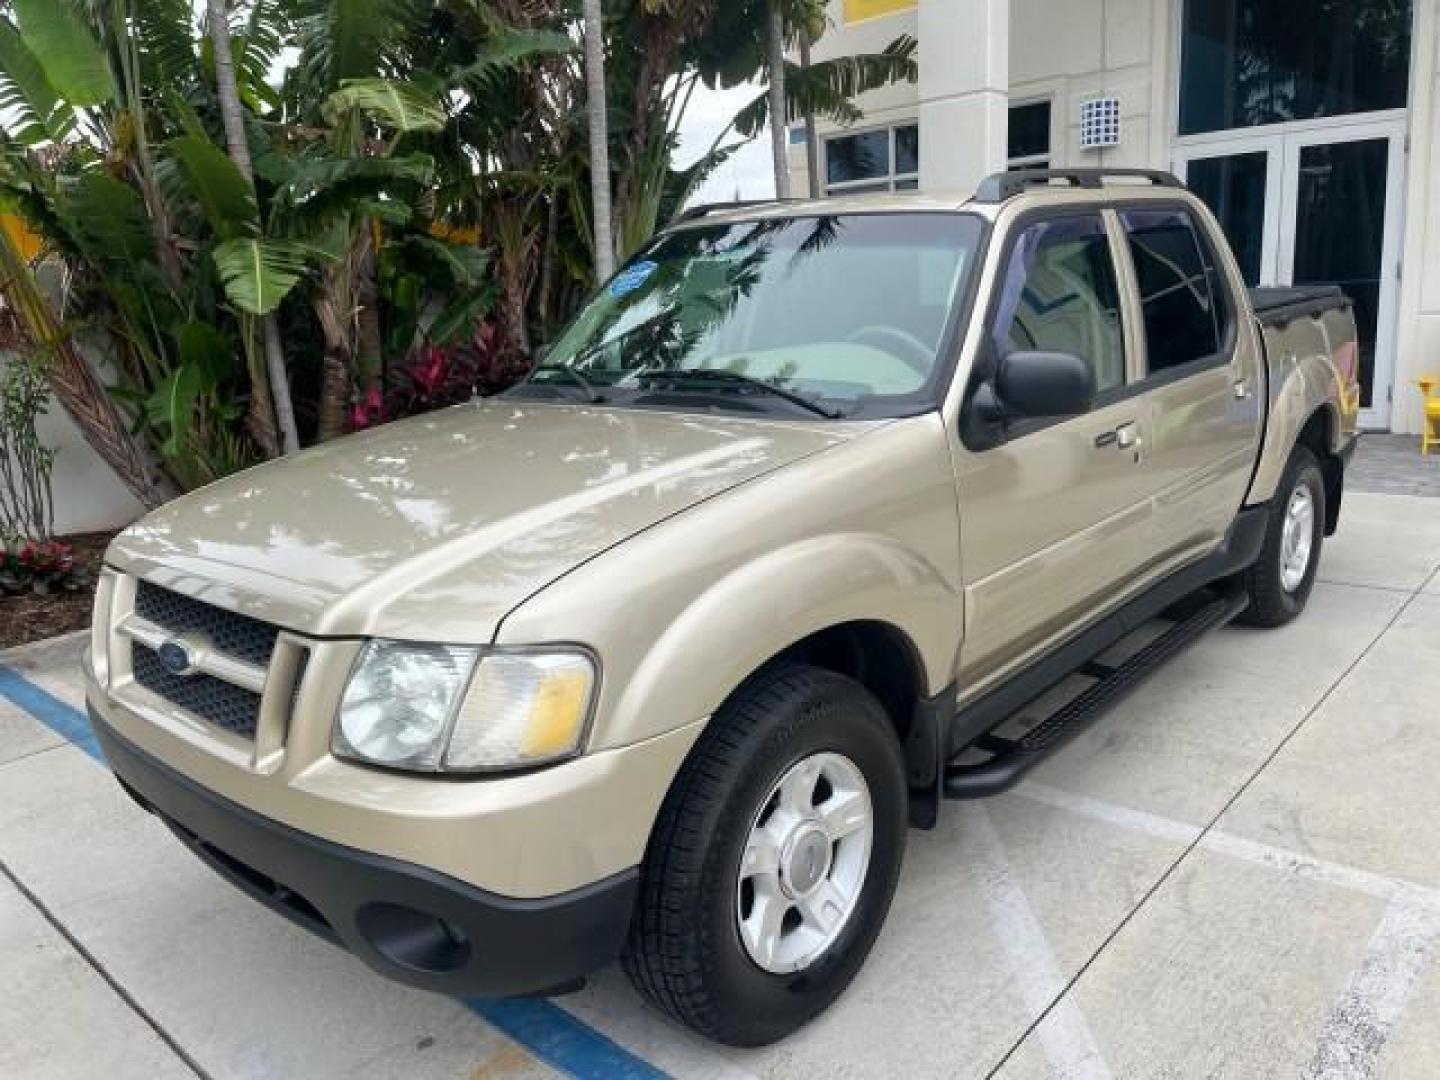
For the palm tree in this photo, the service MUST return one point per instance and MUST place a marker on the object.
(597, 107)
(812, 135)
(778, 111)
(232, 116)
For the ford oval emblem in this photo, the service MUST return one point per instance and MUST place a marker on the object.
(174, 657)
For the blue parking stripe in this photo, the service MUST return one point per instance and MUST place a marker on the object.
(549, 1032)
(66, 721)
(562, 1041)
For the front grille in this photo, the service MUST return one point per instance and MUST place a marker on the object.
(229, 707)
(235, 635)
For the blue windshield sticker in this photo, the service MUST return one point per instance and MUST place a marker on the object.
(631, 278)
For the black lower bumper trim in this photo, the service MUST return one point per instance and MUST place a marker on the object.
(409, 923)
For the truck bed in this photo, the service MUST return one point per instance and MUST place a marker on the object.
(1278, 307)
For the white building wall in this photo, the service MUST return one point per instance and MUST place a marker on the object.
(1062, 50)
(964, 91)
(1067, 52)
(1418, 352)
(88, 497)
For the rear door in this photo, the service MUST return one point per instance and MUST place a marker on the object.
(1199, 378)
(1055, 521)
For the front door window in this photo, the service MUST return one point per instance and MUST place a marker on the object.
(1061, 295)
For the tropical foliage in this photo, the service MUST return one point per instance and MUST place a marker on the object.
(27, 500)
(270, 222)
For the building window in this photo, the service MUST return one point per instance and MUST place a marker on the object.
(1250, 62)
(887, 159)
(1030, 136)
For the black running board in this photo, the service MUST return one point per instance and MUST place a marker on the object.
(1011, 759)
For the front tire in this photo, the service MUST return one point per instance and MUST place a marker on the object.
(1280, 581)
(774, 859)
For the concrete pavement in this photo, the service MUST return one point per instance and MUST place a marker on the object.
(1234, 874)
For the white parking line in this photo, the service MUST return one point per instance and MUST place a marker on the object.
(1066, 1038)
(1400, 952)
(1380, 886)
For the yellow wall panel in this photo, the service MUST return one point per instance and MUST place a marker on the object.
(855, 10)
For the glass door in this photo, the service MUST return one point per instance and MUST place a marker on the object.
(1344, 229)
(1316, 204)
(1244, 187)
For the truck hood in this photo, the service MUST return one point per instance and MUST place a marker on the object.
(435, 528)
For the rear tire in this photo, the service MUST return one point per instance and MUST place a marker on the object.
(1281, 579)
(800, 768)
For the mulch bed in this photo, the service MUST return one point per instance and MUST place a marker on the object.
(28, 617)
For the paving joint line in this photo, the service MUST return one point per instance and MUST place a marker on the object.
(34, 754)
(113, 983)
(1209, 827)
(1394, 590)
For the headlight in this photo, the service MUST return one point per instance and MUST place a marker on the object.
(432, 708)
(399, 703)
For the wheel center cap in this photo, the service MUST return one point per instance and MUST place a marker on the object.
(805, 860)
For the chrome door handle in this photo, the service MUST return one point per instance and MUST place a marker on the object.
(1242, 389)
(1128, 437)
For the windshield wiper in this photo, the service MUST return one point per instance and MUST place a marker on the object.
(592, 393)
(738, 381)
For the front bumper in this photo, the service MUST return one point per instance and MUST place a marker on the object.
(410, 923)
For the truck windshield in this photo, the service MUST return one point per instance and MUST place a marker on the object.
(838, 315)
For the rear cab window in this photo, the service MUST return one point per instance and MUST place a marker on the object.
(1182, 300)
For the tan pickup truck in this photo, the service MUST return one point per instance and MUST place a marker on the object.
(658, 656)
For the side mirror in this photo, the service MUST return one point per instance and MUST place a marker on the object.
(1044, 385)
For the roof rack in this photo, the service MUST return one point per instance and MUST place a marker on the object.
(1002, 187)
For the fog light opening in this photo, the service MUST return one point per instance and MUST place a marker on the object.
(414, 939)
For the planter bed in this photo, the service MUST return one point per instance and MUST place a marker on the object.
(31, 617)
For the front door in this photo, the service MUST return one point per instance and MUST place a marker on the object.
(1306, 204)
(1057, 521)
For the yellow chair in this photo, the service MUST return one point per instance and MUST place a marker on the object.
(1430, 431)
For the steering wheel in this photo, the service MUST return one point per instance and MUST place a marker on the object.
(921, 358)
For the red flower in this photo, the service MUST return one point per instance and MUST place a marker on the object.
(431, 374)
(368, 411)
(50, 557)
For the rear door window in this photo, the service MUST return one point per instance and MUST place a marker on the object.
(1180, 290)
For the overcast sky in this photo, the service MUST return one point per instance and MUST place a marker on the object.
(749, 172)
